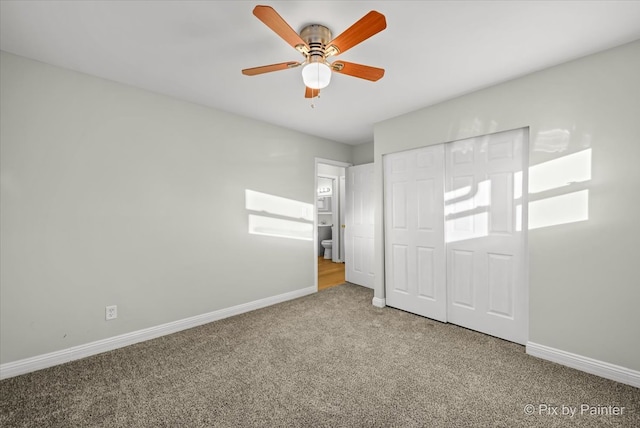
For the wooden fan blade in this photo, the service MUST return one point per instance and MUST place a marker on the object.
(370, 24)
(271, 19)
(358, 70)
(269, 68)
(311, 93)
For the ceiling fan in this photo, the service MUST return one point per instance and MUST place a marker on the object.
(315, 43)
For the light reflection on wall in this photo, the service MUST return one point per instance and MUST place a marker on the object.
(278, 217)
(557, 190)
(552, 141)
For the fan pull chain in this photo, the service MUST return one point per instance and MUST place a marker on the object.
(312, 89)
(318, 96)
(312, 97)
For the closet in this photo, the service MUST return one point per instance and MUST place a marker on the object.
(455, 247)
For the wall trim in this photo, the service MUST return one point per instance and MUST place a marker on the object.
(378, 302)
(585, 364)
(55, 358)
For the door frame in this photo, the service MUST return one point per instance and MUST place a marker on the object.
(317, 161)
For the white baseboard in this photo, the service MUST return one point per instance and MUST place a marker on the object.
(378, 302)
(585, 364)
(51, 359)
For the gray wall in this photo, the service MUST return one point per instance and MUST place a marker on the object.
(584, 281)
(113, 195)
(362, 153)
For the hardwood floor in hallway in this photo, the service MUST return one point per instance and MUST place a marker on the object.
(330, 274)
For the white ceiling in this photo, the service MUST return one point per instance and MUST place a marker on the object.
(431, 50)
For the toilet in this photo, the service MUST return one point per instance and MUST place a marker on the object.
(327, 244)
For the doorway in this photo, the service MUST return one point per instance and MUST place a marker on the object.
(329, 218)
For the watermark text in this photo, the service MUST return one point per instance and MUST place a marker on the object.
(546, 409)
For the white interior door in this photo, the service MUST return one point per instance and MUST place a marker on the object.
(414, 232)
(358, 233)
(484, 239)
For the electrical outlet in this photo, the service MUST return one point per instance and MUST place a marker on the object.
(111, 312)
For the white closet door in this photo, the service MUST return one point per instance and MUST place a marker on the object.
(359, 228)
(484, 239)
(414, 232)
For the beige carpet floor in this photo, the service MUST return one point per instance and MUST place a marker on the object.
(330, 359)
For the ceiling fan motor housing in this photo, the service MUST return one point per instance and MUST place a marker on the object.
(316, 36)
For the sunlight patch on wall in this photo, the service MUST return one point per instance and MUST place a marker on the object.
(281, 228)
(563, 209)
(557, 190)
(563, 171)
(270, 204)
(280, 217)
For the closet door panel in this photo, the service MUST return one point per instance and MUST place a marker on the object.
(485, 248)
(414, 232)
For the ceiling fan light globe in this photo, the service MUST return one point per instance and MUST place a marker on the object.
(316, 75)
